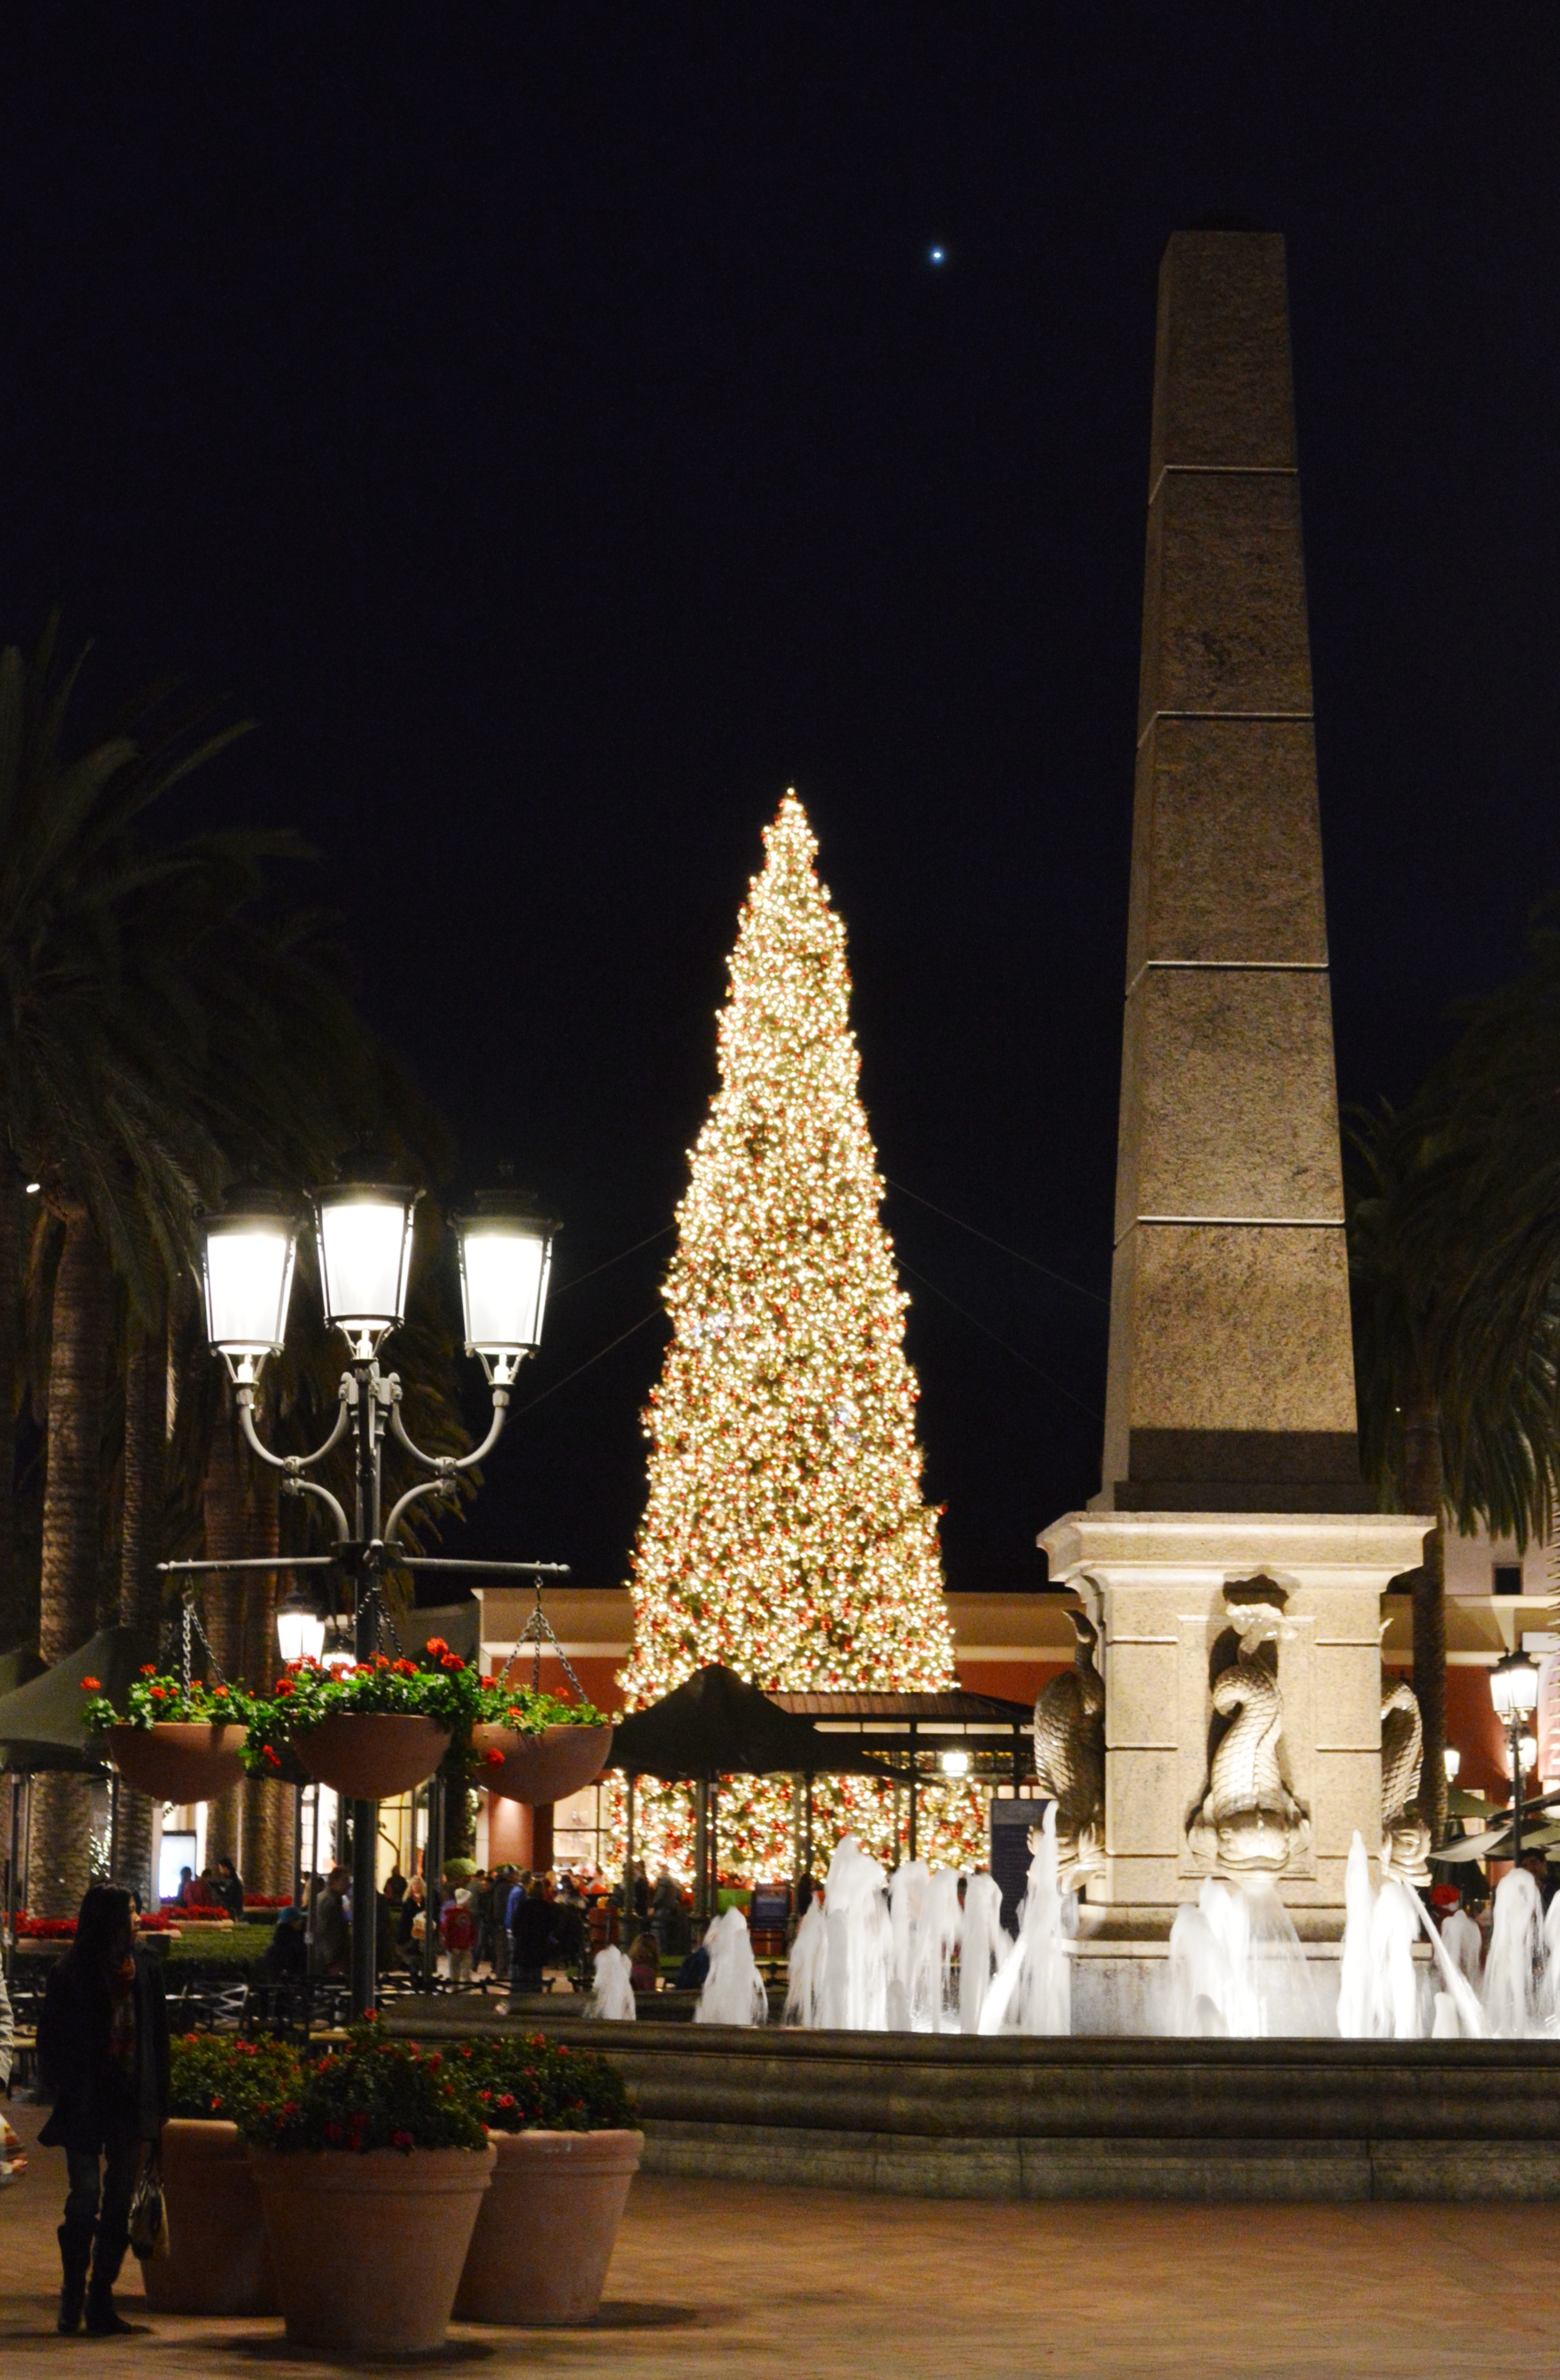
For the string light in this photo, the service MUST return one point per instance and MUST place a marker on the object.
(785, 1532)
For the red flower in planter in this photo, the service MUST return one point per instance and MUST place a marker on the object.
(451, 1661)
(492, 1758)
(91, 1685)
(158, 1694)
(437, 1644)
(400, 2140)
(149, 1669)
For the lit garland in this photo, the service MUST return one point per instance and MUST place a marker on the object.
(784, 1533)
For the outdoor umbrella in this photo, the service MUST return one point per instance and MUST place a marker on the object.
(715, 1724)
(42, 1724)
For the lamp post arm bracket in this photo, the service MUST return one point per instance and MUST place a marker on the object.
(493, 1568)
(424, 1487)
(250, 1562)
(296, 1485)
(292, 1463)
(446, 1464)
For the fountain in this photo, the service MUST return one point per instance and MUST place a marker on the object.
(733, 1992)
(612, 1997)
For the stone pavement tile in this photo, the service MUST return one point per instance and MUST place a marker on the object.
(714, 2281)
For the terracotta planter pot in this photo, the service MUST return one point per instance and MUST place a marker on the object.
(372, 1755)
(544, 2236)
(546, 1768)
(177, 1761)
(368, 2250)
(217, 2259)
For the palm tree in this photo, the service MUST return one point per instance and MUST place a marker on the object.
(162, 1028)
(1454, 1259)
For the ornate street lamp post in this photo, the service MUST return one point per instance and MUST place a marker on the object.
(363, 1231)
(1514, 1690)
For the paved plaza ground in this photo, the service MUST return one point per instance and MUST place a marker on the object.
(717, 2282)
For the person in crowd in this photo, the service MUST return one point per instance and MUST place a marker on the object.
(501, 1885)
(641, 1890)
(643, 1963)
(187, 1885)
(568, 1928)
(410, 1910)
(285, 1959)
(665, 1906)
(457, 1931)
(692, 1970)
(530, 1932)
(103, 2054)
(228, 1888)
(330, 1948)
(482, 1913)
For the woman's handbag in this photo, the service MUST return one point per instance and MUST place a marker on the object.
(149, 2215)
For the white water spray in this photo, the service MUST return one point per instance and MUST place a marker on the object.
(734, 1990)
(1516, 1973)
(983, 1946)
(612, 1997)
(1032, 1989)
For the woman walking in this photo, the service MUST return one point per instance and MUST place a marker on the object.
(103, 2054)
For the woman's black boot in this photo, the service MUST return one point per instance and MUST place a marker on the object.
(75, 2255)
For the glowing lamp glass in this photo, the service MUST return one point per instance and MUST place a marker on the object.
(1452, 1758)
(247, 1280)
(505, 1264)
(1514, 1686)
(300, 1631)
(955, 1764)
(365, 1235)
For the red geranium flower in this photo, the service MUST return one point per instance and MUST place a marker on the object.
(437, 1644)
(149, 1669)
(492, 1757)
(92, 1686)
(400, 2140)
(271, 1755)
(158, 1694)
(219, 1694)
(451, 1661)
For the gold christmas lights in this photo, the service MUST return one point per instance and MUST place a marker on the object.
(785, 1532)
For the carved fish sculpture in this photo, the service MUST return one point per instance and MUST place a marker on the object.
(1248, 1819)
(1070, 1756)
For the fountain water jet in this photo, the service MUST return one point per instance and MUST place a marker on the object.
(734, 1990)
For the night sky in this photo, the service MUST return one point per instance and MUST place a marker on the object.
(552, 426)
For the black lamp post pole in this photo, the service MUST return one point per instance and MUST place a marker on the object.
(1515, 1726)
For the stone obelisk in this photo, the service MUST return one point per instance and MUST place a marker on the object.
(1231, 1379)
(1231, 1480)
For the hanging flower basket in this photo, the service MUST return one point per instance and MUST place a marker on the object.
(370, 1732)
(175, 1742)
(176, 1762)
(371, 1755)
(546, 1768)
(530, 1746)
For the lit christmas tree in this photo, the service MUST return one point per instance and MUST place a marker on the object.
(785, 1534)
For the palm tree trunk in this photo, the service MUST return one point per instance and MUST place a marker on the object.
(16, 1618)
(1423, 1486)
(223, 1500)
(140, 1548)
(59, 1856)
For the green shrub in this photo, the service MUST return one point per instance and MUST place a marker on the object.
(524, 2082)
(216, 2075)
(375, 2094)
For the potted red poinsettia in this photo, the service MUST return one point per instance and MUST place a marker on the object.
(531, 1746)
(370, 2171)
(372, 1730)
(561, 2123)
(174, 1740)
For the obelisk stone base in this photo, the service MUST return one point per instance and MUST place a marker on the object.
(1160, 1587)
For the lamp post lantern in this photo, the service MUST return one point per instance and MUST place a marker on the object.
(1514, 1691)
(363, 1233)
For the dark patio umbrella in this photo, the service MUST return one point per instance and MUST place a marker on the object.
(715, 1724)
(40, 1723)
